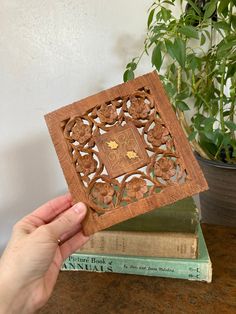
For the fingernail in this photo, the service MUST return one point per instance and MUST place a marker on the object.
(79, 208)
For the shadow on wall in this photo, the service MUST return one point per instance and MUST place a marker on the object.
(128, 47)
(32, 176)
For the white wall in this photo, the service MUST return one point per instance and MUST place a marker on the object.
(51, 54)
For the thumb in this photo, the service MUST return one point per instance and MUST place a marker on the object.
(67, 221)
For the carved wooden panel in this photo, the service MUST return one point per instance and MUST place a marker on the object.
(123, 152)
(122, 149)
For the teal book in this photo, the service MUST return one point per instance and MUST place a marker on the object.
(199, 269)
(181, 216)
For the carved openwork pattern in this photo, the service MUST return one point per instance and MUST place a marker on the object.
(123, 151)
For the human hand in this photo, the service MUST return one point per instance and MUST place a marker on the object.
(31, 262)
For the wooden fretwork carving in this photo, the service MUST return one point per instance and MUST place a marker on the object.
(123, 152)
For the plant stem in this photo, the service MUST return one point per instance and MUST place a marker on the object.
(219, 149)
(187, 130)
(222, 83)
(179, 74)
(183, 121)
(232, 105)
(230, 12)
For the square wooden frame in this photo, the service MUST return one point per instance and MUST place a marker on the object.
(94, 222)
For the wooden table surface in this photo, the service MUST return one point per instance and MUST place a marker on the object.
(88, 293)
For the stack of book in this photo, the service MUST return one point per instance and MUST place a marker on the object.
(166, 242)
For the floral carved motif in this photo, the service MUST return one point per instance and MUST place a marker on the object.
(136, 188)
(139, 109)
(164, 168)
(158, 135)
(86, 164)
(80, 132)
(122, 151)
(107, 113)
(103, 193)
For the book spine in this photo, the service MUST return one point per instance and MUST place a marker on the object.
(181, 269)
(167, 244)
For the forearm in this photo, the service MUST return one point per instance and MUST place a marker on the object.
(14, 298)
(14, 303)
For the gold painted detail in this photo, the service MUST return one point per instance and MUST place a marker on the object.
(131, 154)
(112, 145)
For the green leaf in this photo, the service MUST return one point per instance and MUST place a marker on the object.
(210, 135)
(166, 14)
(195, 7)
(180, 50)
(231, 125)
(192, 136)
(182, 95)
(224, 48)
(225, 10)
(203, 39)
(170, 48)
(193, 61)
(210, 9)
(222, 25)
(150, 17)
(218, 137)
(226, 139)
(170, 89)
(189, 31)
(214, 138)
(207, 145)
(233, 20)
(223, 4)
(128, 75)
(182, 105)
(215, 108)
(168, 2)
(158, 16)
(197, 121)
(157, 57)
(177, 50)
(208, 126)
(209, 121)
(173, 68)
(132, 66)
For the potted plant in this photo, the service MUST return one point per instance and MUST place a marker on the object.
(195, 53)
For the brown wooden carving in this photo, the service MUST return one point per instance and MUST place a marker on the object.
(123, 152)
(122, 149)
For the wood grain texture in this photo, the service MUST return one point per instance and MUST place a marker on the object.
(123, 152)
(126, 140)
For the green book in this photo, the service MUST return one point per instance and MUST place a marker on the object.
(181, 216)
(199, 269)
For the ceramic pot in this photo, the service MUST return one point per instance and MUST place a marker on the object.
(218, 204)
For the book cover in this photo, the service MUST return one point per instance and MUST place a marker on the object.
(126, 239)
(182, 216)
(199, 269)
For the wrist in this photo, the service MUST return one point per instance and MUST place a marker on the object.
(13, 297)
(14, 303)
